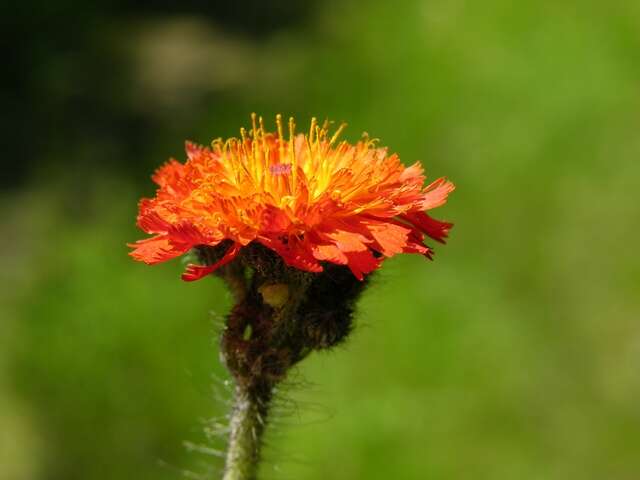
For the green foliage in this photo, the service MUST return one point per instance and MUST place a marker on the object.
(513, 355)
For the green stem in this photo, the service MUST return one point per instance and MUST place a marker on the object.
(247, 425)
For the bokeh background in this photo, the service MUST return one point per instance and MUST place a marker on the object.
(514, 355)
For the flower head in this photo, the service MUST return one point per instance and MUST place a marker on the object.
(308, 197)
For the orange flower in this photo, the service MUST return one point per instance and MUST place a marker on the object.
(308, 197)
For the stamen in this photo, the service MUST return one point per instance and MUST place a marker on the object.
(292, 127)
(265, 150)
(312, 128)
(292, 153)
(337, 134)
(254, 130)
(280, 136)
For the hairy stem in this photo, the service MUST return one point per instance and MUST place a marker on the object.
(247, 425)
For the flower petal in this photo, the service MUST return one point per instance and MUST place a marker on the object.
(435, 195)
(274, 220)
(154, 250)
(434, 228)
(293, 251)
(362, 263)
(196, 272)
(390, 238)
(329, 253)
(169, 173)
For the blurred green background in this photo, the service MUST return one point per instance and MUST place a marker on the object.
(514, 355)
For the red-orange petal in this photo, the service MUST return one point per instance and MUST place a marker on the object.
(436, 193)
(294, 252)
(154, 250)
(361, 263)
(196, 272)
(434, 228)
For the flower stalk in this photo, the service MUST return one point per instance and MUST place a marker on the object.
(280, 316)
(247, 423)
